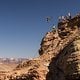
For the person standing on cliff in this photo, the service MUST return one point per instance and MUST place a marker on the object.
(69, 15)
(54, 28)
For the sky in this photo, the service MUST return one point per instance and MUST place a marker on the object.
(23, 24)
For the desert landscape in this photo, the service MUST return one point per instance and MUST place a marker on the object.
(9, 64)
(39, 39)
(59, 56)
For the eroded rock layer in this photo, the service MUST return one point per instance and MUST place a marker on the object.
(66, 66)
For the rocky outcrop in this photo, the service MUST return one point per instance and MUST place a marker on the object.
(59, 55)
(66, 66)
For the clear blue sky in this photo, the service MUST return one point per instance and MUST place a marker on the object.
(22, 24)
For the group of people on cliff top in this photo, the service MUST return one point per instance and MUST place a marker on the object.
(64, 18)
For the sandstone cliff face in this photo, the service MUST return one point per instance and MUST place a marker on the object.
(65, 47)
(59, 56)
(66, 66)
